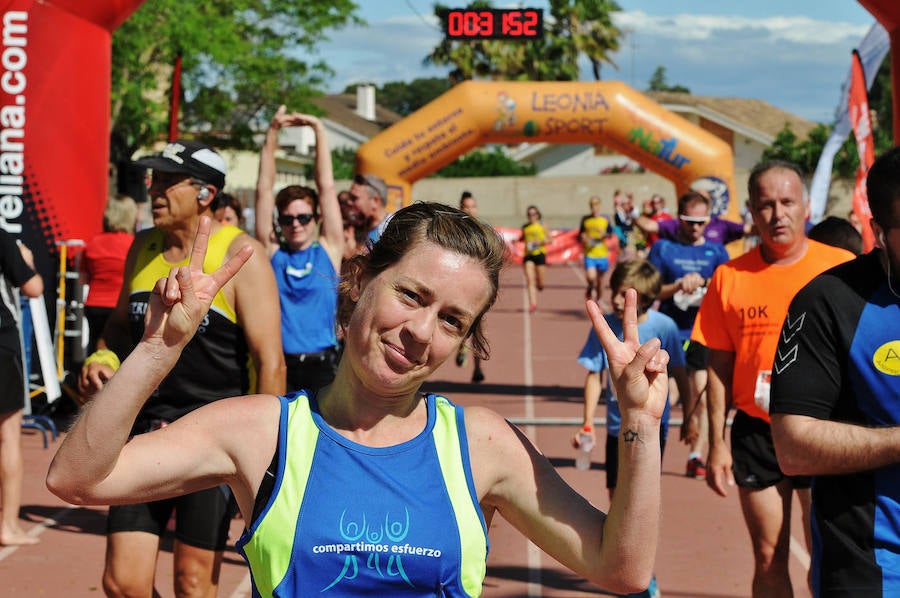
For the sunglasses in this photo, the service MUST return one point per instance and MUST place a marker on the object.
(288, 219)
(694, 219)
(168, 181)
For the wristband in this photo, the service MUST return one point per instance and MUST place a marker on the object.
(104, 357)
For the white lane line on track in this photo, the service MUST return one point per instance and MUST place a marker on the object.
(578, 269)
(534, 553)
(39, 529)
(800, 553)
(243, 590)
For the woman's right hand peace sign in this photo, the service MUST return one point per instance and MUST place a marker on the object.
(179, 302)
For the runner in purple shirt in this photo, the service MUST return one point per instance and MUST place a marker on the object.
(718, 230)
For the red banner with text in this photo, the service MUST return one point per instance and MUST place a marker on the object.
(565, 246)
(862, 130)
(54, 120)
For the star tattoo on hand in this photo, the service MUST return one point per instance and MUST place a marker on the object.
(630, 436)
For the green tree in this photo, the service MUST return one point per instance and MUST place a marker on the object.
(880, 101)
(240, 60)
(658, 82)
(573, 28)
(479, 162)
(485, 162)
(343, 160)
(406, 97)
(803, 152)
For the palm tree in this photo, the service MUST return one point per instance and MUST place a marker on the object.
(589, 25)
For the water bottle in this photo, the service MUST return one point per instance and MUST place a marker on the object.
(585, 444)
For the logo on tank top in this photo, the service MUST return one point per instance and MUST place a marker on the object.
(299, 272)
(376, 543)
(887, 358)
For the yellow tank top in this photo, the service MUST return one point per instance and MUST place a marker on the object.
(596, 228)
(215, 364)
(534, 235)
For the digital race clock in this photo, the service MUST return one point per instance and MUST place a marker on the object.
(493, 23)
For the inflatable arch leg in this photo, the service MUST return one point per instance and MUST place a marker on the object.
(608, 113)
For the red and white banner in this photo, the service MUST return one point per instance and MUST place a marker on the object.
(54, 119)
(861, 122)
(565, 246)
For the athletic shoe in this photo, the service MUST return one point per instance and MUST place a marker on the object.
(477, 376)
(532, 309)
(461, 355)
(695, 469)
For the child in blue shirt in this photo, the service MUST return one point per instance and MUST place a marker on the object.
(644, 278)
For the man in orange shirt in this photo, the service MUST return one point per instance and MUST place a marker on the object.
(740, 321)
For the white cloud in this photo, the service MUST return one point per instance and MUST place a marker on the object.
(795, 63)
(794, 29)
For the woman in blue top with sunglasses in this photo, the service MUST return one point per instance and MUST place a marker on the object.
(306, 264)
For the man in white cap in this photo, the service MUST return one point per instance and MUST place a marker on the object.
(242, 327)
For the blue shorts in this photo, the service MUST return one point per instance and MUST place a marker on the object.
(601, 264)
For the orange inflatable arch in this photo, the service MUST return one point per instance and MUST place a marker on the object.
(610, 113)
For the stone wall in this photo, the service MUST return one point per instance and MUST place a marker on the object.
(502, 201)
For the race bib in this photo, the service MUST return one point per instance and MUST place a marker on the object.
(761, 393)
(684, 302)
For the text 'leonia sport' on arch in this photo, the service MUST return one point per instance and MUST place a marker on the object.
(607, 113)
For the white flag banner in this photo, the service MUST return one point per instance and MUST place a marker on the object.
(872, 50)
(43, 340)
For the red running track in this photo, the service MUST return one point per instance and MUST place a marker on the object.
(531, 378)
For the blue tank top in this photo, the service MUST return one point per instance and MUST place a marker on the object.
(346, 519)
(307, 287)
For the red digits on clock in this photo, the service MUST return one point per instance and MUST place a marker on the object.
(485, 23)
(530, 24)
(512, 26)
(493, 23)
(462, 23)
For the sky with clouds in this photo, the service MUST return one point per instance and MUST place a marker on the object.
(794, 54)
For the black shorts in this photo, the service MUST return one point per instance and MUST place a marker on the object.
(612, 455)
(202, 518)
(12, 382)
(753, 455)
(695, 356)
(311, 371)
(539, 260)
(96, 318)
